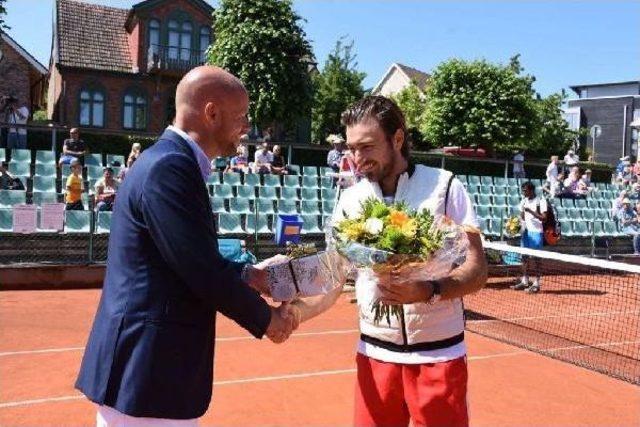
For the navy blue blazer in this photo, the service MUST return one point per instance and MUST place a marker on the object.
(150, 351)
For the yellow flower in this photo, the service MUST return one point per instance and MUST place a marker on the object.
(353, 231)
(409, 228)
(398, 218)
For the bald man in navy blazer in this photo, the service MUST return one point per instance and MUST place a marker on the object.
(150, 351)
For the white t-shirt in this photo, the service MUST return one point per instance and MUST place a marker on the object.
(518, 163)
(532, 223)
(570, 160)
(263, 157)
(14, 118)
(552, 172)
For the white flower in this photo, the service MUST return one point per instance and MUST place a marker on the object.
(373, 226)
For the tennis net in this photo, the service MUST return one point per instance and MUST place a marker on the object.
(586, 311)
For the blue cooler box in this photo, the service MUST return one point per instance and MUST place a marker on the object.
(288, 229)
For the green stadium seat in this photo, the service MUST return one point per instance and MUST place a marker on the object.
(6, 220)
(486, 189)
(309, 181)
(262, 226)
(500, 201)
(486, 180)
(611, 229)
(229, 223)
(483, 200)
(217, 205)
(602, 214)
(606, 204)
(288, 207)
(462, 178)
(223, 191)
(514, 201)
(324, 170)
(93, 159)
(3, 154)
(272, 180)
(513, 191)
(600, 185)
(567, 228)
(112, 158)
(214, 179)
(20, 156)
(328, 194)
(232, 178)
(513, 182)
(598, 229)
(472, 190)
(9, 198)
(500, 182)
(265, 206)
(483, 212)
(103, 224)
(246, 192)
(588, 214)
(77, 221)
(65, 171)
(267, 193)
(309, 208)
(240, 205)
(500, 212)
(473, 180)
(292, 181)
(289, 193)
(310, 171)
(44, 184)
(325, 220)
(326, 182)
(309, 194)
(567, 203)
(593, 204)
(45, 157)
(252, 179)
(563, 214)
(94, 172)
(495, 228)
(22, 169)
(46, 170)
(537, 182)
(581, 229)
(327, 207)
(575, 215)
(310, 225)
(580, 203)
(294, 169)
(38, 198)
(500, 191)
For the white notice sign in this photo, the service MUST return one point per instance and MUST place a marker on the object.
(25, 218)
(52, 216)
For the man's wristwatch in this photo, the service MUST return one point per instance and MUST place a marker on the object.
(435, 296)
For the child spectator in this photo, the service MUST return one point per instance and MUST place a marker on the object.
(74, 187)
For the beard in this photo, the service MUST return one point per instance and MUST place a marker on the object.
(379, 171)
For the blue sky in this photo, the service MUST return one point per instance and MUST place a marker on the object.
(561, 43)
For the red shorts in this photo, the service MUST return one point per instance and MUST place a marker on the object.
(430, 394)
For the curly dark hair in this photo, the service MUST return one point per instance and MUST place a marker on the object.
(385, 112)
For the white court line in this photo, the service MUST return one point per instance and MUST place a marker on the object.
(223, 339)
(312, 374)
(559, 316)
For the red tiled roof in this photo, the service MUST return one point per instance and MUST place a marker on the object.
(92, 36)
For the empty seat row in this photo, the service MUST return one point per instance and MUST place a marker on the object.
(226, 191)
(267, 206)
(74, 221)
(233, 223)
(257, 180)
(24, 156)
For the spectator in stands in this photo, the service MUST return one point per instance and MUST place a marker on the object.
(335, 154)
(7, 180)
(620, 165)
(106, 188)
(73, 148)
(636, 168)
(617, 204)
(555, 187)
(584, 185)
(571, 185)
(518, 165)
(263, 159)
(628, 219)
(74, 187)
(136, 149)
(552, 170)
(634, 194)
(240, 162)
(570, 161)
(278, 164)
(626, 177)
(16, 137)
(533, 213)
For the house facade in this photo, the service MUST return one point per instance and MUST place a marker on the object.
(398, 77)
(117, 69)
(21, 75)
(615, 107)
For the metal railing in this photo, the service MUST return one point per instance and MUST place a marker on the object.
(173, 58)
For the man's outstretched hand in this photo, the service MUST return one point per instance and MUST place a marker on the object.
(284, 320)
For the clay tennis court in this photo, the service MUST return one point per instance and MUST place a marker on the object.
(306, 381)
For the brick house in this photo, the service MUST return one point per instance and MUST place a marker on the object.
(21, 75)
(117, 69)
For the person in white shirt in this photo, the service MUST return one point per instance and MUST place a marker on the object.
(17, 137)
(412, 370)
(533, 213)
(263, 159)
(518, 165)
(570, 160)
(552, 170)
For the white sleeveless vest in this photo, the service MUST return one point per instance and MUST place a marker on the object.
(424, 326)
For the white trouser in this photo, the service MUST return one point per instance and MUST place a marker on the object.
(109, 417)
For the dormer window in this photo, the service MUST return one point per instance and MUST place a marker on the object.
(180, 35)
(205, 41)
(154, 36)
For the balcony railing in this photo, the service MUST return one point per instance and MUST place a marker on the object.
(171, 58)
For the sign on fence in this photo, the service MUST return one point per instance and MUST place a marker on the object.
(25, 218)
(52, 216)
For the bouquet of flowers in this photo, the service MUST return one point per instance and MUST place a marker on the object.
(512, 226)
(382, 238)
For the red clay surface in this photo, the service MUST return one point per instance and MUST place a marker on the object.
(306, 381)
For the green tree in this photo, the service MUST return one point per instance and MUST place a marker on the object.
(335, 88)
(412, 102)
(483, 104)
(551, 135)
(262, 43)
(3, 13)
